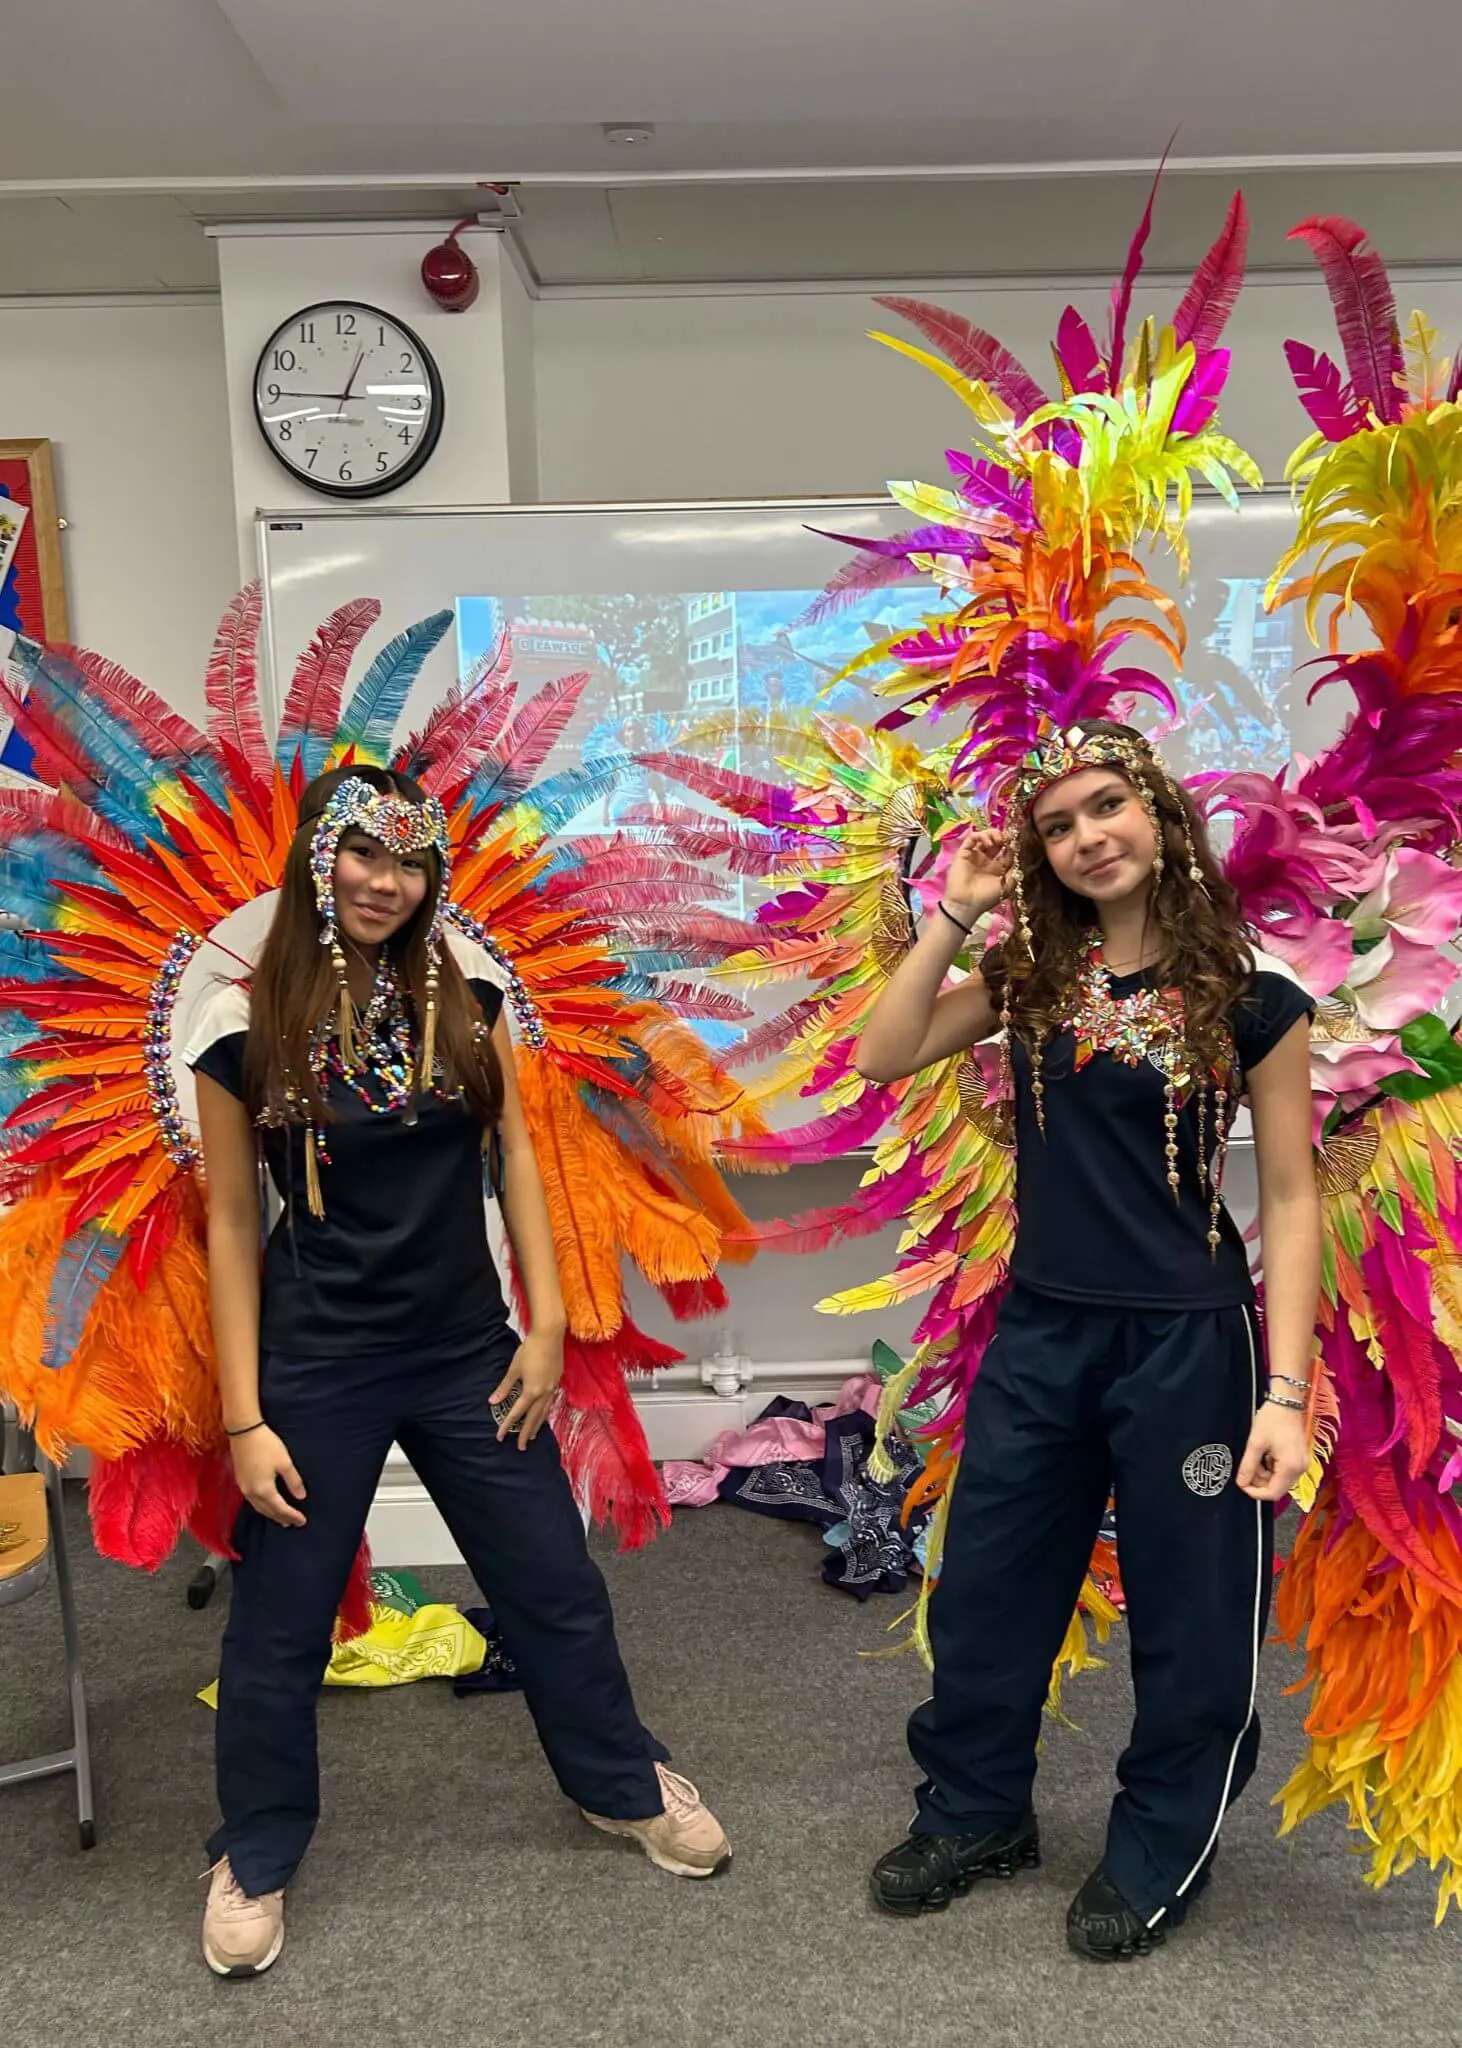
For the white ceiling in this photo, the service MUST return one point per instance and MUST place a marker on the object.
(221, 109)
(245, 88)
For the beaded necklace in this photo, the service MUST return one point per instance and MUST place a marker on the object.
(1148, 1025)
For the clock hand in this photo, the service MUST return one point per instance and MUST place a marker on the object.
(350, 387)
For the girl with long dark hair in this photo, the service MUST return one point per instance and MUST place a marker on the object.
(1126, 1353)
(376, 1078)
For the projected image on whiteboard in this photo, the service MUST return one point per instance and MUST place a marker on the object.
(661, 665)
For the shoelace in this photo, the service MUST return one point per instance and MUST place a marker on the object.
(682, 1800)
(233, 1901)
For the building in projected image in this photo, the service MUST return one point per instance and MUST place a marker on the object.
(710, 652)
(1259, 643)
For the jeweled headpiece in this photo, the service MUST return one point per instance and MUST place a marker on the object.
(401, 826)
(1066, 751)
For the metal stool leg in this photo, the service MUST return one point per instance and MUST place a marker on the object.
(81, 1741)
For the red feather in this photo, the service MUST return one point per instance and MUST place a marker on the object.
(744, 794)
(1131, 271)
(974, 353)
(1331, 405)
(698, 835)
(60, 758)
(689, 999)
(689, 1300)
(460, 733)
(313, 703)
(538, 727)
(232, 687)
(1365, 310)
(772, 1037)
(1211, 297)
(49, 810)
(153, 722)
(151, 1235)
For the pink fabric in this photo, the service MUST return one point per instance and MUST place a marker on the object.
(692, 1482)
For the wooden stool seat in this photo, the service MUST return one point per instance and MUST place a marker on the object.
(25, 1535)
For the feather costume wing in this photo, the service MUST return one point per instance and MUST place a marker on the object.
(158, 837)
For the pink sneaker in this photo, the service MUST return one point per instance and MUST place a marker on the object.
(242, 1937)
(685, 1839)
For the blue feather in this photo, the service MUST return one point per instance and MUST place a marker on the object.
(563, 797)
(368, 722)
(87, 1262)
(34, 868)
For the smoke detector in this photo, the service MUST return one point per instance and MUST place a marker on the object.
(629, 134)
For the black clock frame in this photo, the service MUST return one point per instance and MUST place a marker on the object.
(370, 487)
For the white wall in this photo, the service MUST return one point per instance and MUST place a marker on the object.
(133, 399)
(266, 276)
(782, 394)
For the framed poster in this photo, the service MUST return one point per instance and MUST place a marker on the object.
(32, 577)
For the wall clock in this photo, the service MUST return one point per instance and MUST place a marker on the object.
(348, 399)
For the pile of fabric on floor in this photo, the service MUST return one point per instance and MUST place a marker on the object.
(806, 1464)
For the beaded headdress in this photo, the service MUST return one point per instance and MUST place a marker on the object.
(401, 826)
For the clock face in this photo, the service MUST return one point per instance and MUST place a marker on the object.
(348, 399)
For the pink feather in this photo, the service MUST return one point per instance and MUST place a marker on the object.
(1211, 297)
(313, 703)
(1331, 405)
(1199, 401)
(1365, 309)
(232, 686)
(743, 794)
(974, 353)
(690, 999)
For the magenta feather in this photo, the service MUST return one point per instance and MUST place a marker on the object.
(1078, 354)
(1330, 403)
(1122, 290)
(974, 353)
(1454, 382)
(1213, 294)
(869, 570)
(826, 1137)
(1365, 309)
(1201, 393)
(232, 686)
(312, 706)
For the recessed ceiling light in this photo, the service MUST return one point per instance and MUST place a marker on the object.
(629, 134)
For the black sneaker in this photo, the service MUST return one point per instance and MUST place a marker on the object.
(925, 1872)
(1101, 1924)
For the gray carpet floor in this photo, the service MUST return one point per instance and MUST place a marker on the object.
(453, 1896)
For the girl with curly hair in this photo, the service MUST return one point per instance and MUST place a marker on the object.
(1126, 1354)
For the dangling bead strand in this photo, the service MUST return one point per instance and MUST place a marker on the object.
(426, 1070)
(1170, 1131)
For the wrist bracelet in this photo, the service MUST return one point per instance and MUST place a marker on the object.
(958, 923)
(247, 1430)
(1288, 1380)
(1283, 1401)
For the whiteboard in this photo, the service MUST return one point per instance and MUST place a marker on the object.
(701, 603)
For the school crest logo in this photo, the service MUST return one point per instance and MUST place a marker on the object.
(1208, 1470)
